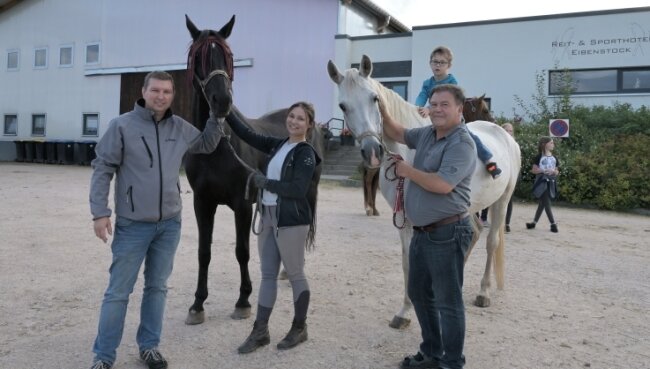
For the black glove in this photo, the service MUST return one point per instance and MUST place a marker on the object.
(259, 179)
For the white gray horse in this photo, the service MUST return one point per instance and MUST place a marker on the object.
(358, 98)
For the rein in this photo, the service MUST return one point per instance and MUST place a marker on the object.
(398, 206)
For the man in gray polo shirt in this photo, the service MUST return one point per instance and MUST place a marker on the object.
(436, 203)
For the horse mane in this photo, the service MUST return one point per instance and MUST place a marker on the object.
(400, 109)
(201, 49)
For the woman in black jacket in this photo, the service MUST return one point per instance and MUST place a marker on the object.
(287, 220)
(546, 168)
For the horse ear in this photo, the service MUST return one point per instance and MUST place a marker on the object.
(194, 32)
(365, 68)
(334, 73)
(482, 97)
(225, 30)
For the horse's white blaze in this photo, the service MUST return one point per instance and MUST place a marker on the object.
(356, 94)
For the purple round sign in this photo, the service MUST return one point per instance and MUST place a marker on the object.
(559, 127)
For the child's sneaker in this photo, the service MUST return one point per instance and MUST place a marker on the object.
(494, 171)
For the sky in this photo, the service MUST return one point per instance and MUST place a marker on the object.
(429, 12)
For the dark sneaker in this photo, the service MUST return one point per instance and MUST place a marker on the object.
(418, 361)
(99, 364)
(494, 171)
(153, 358)
(530, 225)
(507, 228)
(554, 228)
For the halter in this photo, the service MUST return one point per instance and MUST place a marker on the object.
(203, 83)
(470, 101)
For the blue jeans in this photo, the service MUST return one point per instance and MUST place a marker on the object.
(135, 242)
(482, 152)
(435, 286)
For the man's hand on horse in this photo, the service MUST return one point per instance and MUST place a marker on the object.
(103, 228)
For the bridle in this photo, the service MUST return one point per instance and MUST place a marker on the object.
(204, 82)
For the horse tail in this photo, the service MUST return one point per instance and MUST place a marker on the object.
(499, 259)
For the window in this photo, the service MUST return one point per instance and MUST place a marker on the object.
(38, 125)
(636, 80)
(11, 125)
(91, 124)
(66, 56)
(40, 58)
(92, 53)
(13, 59)
(400, 87)
(596, 81)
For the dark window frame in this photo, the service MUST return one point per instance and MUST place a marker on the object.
(38, 134)
(84, 129)
(619, 81)
(6, 125)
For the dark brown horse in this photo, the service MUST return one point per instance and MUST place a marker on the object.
(475, 108)
(219, 178)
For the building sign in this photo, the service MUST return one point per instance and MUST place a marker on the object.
(635, 41)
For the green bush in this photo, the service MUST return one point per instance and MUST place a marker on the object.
(604, 162)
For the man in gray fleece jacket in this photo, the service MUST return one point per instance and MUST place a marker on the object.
(144, 149)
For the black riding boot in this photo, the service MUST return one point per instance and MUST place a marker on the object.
(259, 337)
(297, 334)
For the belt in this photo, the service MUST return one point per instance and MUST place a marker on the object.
(441, 222)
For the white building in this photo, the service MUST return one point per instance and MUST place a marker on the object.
(67, 67)
(606, 52)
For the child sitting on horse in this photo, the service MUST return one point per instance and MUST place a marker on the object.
(440, 62)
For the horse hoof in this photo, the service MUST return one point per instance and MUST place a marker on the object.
(375, 213)
(241, 313)
(195, 317)
(399, 323)
(369, 212)
(482, 301)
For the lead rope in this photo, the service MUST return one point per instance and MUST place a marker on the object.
(398, 206)
(249, 179)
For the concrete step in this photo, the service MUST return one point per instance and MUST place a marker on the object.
(342, 161)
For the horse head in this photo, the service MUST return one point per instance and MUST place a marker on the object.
(476, 108)
(358, 99)
(210, 66)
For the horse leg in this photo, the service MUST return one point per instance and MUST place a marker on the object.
(495, 251)
(367, 183)
(204, 211)
(400, 321)
(373, 191)
(243, 218)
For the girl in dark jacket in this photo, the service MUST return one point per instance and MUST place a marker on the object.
(545, 166)
(287, 220)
